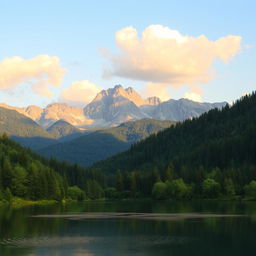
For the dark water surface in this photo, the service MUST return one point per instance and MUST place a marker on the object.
(130, 228)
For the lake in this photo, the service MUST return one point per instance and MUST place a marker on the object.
(130, 228)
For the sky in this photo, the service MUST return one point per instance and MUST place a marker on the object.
(68, 51)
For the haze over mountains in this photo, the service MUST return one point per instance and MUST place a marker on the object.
(115, 106)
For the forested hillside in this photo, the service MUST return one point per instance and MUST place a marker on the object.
(23, 176)
(27, 175)
(15, 124)
(211, 156)
(218, 148)
(101, 144)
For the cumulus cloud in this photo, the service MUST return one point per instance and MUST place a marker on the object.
(40, 72)
(156, 89)
(80, 93)
(193, 96)
(165, 56)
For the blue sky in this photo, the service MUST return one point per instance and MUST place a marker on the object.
(79, 32)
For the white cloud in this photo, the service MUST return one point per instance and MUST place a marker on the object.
(249, 46)
(80, 93)
(193, 96)
(165, 56)
(245, 94)
(156, 89)
(41, 72)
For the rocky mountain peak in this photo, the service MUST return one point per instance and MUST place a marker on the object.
(34, 112)
(119, 92)
(116, 105)
(118, 86)
(153, 101)
(61, 122)
(58, 106)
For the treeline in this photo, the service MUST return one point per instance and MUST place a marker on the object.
(207, 157)
(169, 185)
(218, 149)
(26, 175)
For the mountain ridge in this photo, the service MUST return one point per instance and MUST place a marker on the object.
(114, 106)
(101, 144)
(217, 140)
(62, 128)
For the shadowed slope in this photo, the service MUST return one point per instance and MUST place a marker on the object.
(99, 145)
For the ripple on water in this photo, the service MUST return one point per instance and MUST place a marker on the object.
(46, 241)
(141, 216)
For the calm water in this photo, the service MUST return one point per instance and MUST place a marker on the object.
(118, 228)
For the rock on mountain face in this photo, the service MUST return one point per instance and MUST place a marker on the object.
(20, 110)
(52, 113)
(178, 110)
(152, 101)
(60, 111)
(116, 105)
(33, 112)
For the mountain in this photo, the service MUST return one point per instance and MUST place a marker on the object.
(99, 145)
(212, 156)
(62, 128)
(220, 144)
(152, 101)
(23, 129)
(115, 106)
(29, 134)
(16, 124)
(60, 111)
(33, 112)
(52, 113)
(182, 109)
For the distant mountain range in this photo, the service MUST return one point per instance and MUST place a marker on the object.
(220, 142)
(115, 106)
(114, 120)
(47, 116)
(15, 124)
(66, 142)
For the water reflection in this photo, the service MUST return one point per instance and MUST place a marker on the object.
(158, 232)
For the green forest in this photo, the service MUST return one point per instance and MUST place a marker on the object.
(212, 156)
(24, 174)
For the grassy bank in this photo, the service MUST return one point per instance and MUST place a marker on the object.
(19, 202)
